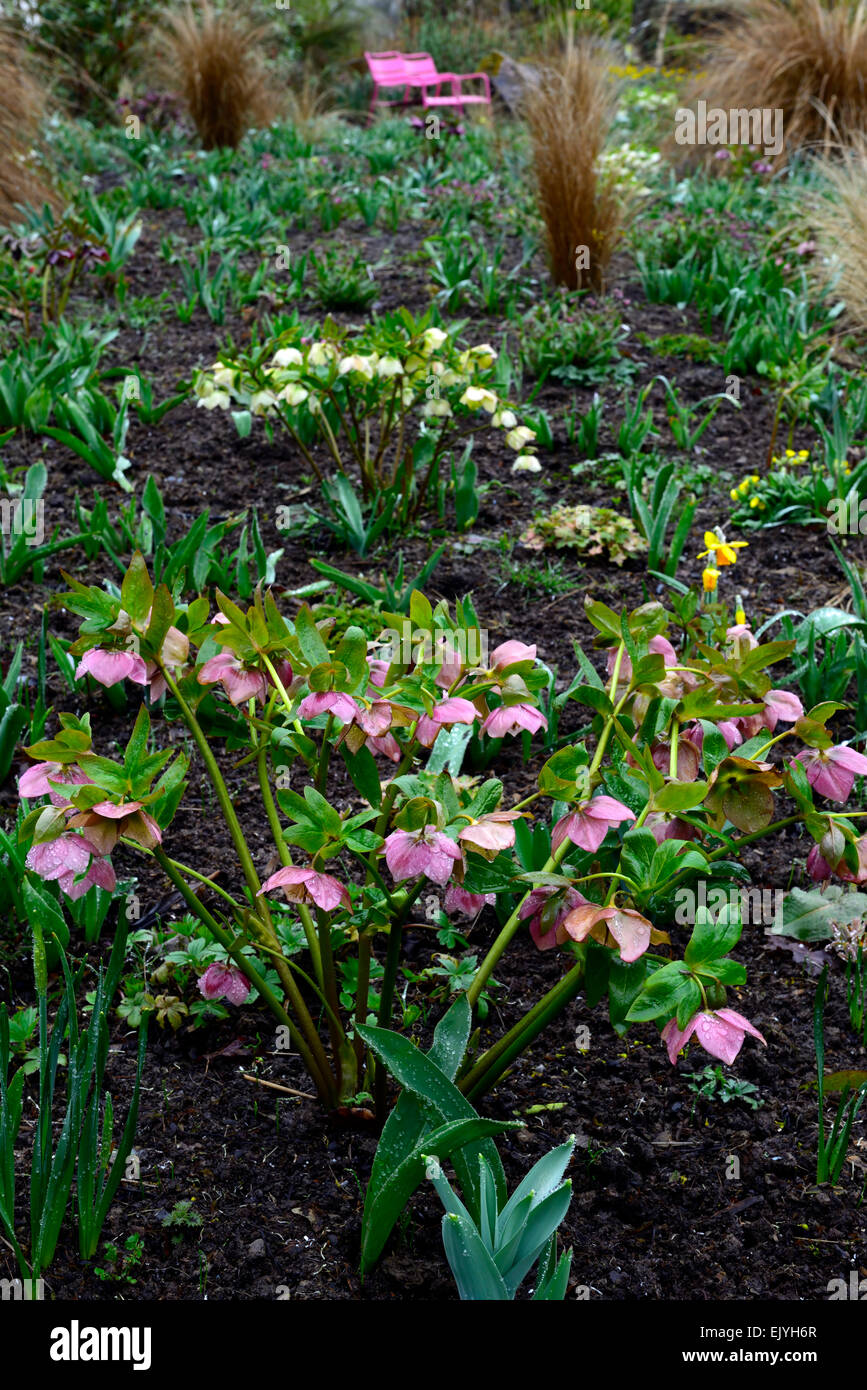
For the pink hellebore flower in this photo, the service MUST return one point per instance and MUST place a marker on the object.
(832, 771)
(820, 868)
(511, 719)
(36, 781)
(378, 671)
(509, 653)
(741, 634)
(669, 827)
(241, 683)
(455, 710)
(630, 930)
(334, 702)
(110, 668)
(388, 746)
(544, 925)
(817, 865)
(588, 826)
(490, 834)
(659, 645)
(427, 851)
(720, 1033)
(374, 719)
(225, 982)
(687, 761)
(105, 823)
(308, 886)
(466, 904)
(729, 728)
(66, 859)
(781, 704)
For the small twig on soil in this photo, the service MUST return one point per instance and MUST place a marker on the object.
(274, 1086)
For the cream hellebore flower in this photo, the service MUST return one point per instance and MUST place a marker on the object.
(292, 393)
(449, 378)
(526, 463)
(517, 438)
(364, 366)
(504, 419)
(433, 339)
(210, 397)
(479, 397)
(436, 409)
(262, 401)
(484, 354)
(389, 366)
(320, 353)
(222, 374)
(287, 357)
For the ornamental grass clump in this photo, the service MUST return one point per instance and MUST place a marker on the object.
(215, 61)
(570, 113)
(807, 59)
(21, 111)
(839, 221)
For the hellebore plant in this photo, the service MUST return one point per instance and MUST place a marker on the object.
(677, 778)
(359, 397)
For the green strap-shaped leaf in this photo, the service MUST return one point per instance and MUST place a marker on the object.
(387, 1197)
(476, 1275)
(414, 1070)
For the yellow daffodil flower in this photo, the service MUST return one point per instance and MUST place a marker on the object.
(724, 552)
(709, 579)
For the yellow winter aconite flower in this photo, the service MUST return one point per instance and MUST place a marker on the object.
(724, 552)
(709, 578)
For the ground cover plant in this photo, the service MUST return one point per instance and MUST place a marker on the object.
(433, 668)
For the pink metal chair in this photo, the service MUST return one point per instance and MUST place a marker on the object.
(419, 71)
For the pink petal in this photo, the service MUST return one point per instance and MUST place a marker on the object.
(455, 710)
(675, 1039)
(632, 934)
(113, 812)
(109, 668)
(738, 1021)
(508, 653)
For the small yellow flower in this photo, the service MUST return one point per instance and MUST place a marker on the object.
(744, 486)
(734, 495)
(803, 453)
(740, 617)
(724, 552)
(756, 502)
(790, 453)
(709, 579)
(755, 477)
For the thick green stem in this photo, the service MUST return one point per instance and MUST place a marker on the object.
(313, 1057)
(285, 857)
(216, 776)
(321, 780)
(389, 980)
(508, 931)
(494, 1062)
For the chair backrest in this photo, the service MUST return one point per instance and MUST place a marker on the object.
(394, 67)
